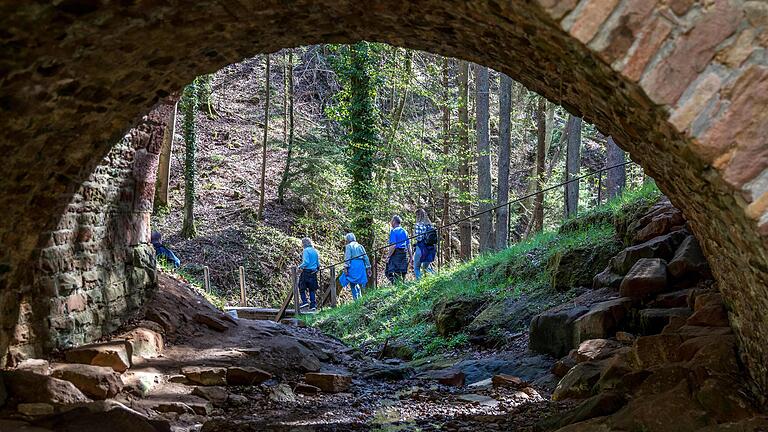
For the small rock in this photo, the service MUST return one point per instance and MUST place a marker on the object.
(214, 394)
(206, 375)
(479, 399)
(39, 366)
(141, 382)
(481, 384)
(304, 388)
(579, 381)
(607, 279)
(35, 409)
(595, 349)
(281, 393)
(115, 354)
(328, 382)
(236, 399)
(673, 299)
(648, 276)
(179, 379)
(562, 366)
(711, 315)
(625, 337)
(449, 377)
(246, 376)
(503, 380)
(98, 382)
(146, 343)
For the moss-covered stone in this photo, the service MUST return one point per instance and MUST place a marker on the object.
(577, 267)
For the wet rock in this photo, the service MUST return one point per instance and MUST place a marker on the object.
(653, 321)
(449, 377)
(35, 409)
(689, 260)
(236, 399)
(114, 354)
(647, 276)
(281, 393)
(304, 388)
(145, 343)
(246, 376)
(29, 387)
(595, 349)
(97, 382)
(579, 381)
(214, 394)
(453, 315)
(329, 382)
(551, 332)
(601, 321)
(206, 375)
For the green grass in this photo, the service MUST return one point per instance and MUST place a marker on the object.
(199, 286)
(404, 311)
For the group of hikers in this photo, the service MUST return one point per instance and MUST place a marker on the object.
(357, 265)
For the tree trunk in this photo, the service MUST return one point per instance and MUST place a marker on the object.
(484, 187)
(572, 164)
(264, 146)
(502, 193)
(541, 129)
(188, 106)
(465, 227)
(164, 165)
(289, 144)
(446, 153)
(616, 178)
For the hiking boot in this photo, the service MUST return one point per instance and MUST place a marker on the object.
(313, 309)
(303, 305)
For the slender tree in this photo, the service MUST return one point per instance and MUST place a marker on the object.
(502, 193)
(541, 129)
(572, 164)
(188, 107)
(289, 126)
(465, 227)
(616, 178)
(446, 125)
(264, 144)
(164, 164)
(484, 187)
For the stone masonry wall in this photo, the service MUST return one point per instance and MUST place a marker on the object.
(97, 266)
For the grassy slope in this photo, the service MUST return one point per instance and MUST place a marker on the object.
(403, 311)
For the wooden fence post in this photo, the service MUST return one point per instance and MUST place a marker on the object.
(296, 297)
(207, 279)
(375, 272)
(242, 287)
(332, 286)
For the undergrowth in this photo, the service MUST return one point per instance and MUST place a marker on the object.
(403, 311)
(198, 285)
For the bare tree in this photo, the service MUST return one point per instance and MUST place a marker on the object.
(264, 148)
(164, 165)
(289, 126)
(484, 187)
(465, 227)
(572, 164)
(502, 193)
(616, 178)
(541, 151)
(446, 124)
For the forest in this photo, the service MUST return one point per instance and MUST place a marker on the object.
(322, 140)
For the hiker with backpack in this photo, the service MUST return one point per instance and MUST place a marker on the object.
(310, 263)
(400, 255)
(357, 266)
(426, 244)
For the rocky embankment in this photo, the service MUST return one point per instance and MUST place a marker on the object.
(650, 348)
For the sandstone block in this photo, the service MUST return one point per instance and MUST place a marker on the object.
(206, 375)
(659, 247)
(114, 354)
(657, 349)
(595, 349)
(689, 260)
(281, 393)
(246, 376)
(29, 387)
(607, 279)
(653, 321)
(328, 382)
(98, 382)
(648, 276)
(304, 388)
(551, 332)
(145, 343)
(39, 366)
(216, 395)
(35, 409)
(579, 381)
(511, 381)
(602, 320)
(448, 377)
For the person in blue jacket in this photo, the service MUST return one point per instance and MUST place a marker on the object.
(400, 254)
(357, 266)
(310, 263)
(162, 251)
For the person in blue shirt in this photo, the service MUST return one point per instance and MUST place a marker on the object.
(308, 280)
(357, 266)
(400, 254)
(162, 251)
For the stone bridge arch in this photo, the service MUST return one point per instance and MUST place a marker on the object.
(681, 84)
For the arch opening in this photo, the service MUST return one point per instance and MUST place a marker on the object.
(681, 87)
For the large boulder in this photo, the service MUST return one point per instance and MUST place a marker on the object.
(29, 387)
(673, 410)
(689, 260)
(98, 382)
(115, 354)
(658, 223)
(601, 321)
(709, 310)
(652, 321)
(646, 277)
(551, 332)
(607, 279)
(660, 247)
(577, 267)
(453, 315)
(145, 342)
(656, 350)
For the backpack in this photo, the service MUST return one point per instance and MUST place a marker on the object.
(430, 237)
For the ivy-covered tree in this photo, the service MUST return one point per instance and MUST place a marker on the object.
(188, 104)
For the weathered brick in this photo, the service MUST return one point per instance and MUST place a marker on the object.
(590, 17)
(648, 44)
(705, 89)
(620, 33)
